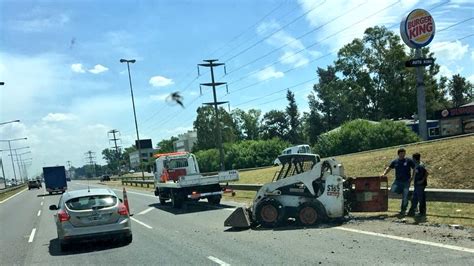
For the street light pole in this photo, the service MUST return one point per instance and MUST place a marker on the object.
(134, 113)
(11, 154)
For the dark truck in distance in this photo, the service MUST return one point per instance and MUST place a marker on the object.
(55, 179)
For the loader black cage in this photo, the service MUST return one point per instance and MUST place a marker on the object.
(293, 164)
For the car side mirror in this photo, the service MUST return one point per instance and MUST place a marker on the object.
(121, 201)
(53, 207)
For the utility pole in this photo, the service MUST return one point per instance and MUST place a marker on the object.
(211, 63)
(69, 169)
(117, 151)
(90, 157)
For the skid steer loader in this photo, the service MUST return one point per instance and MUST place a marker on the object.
(310, 190)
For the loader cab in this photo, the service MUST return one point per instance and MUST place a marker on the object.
(293, 164)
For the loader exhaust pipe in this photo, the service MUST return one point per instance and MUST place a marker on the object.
(240, 218)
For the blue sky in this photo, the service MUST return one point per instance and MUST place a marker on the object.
(60, 61)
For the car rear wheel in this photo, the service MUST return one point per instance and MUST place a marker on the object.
(128, 239)
(64, 246)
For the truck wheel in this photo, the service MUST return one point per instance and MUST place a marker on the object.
(162, 201)
(215, 200)
(176, 200)
(308, 214)
(270, 213)
(64, 246)
(50, 193)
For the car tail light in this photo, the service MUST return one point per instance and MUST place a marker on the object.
(122, 209)
(63, 216)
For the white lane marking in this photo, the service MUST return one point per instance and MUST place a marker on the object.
(128, 191)
(32, 235)
(218, 261)
(408, 239)
(42, 203)
(142, 223)
(120, 190)
(43, 197)
(145, 211)
(13, 196)
(39, 213)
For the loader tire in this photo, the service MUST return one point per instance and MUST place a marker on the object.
(270, 213)
(308, 214)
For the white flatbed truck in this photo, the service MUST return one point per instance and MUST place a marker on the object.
(177, 178)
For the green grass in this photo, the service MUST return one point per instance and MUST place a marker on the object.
(10, 193)
(450, 163)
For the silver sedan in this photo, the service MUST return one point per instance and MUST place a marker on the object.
(91, 214)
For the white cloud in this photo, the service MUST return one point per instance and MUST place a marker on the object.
(294, 52)
(444, 71)
(268, 73)
(98, 69)
(341, 21)
(159, 97)
(451, 51)
(471, 78)
(39, 22)
(159, 81)
(78, 68)
(58, 117)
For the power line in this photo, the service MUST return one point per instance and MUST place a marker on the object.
(248, 29)
(271, 34)
(297, 38)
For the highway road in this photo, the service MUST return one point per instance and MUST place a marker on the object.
(195, 235)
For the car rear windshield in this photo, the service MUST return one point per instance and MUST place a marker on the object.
(93, 201)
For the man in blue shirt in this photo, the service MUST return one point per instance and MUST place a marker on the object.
(401, 185)
(420, 182)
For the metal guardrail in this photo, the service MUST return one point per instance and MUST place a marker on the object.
(432, 194)
(4, 190)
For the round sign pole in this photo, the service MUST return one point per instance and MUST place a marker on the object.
(417, 30)
(421, 99)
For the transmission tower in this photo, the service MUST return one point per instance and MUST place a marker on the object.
(211, 63)
(90, 158)
(114, 136)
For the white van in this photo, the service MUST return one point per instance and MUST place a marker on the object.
(303, 148)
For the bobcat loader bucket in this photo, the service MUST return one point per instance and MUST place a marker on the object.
(240, 218)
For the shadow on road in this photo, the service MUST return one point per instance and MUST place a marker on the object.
(190, 207)
(291, 224)
(82, 247)
(47, 195)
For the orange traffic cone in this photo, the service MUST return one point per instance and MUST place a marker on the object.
(125, 200)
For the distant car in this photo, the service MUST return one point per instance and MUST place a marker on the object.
(39, 183)
(131, 171)
(68, 179)
(88, 215)
(105, 178)
(304, 148)
(33, 184)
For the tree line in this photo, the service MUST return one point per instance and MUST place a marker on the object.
(367, 80)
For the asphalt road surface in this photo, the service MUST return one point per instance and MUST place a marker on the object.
(196, 235)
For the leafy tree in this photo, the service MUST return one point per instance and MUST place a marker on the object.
(247, 123)
(459, 90)
(294, 131)
(113, 159)
(275, 124)
(166, 145)
(312, 121)
(205, 125)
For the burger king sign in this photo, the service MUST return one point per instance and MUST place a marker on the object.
(418, 28)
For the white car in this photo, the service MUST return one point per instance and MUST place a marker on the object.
(304, 148)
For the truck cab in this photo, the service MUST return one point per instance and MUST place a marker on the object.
(172, 166)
